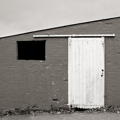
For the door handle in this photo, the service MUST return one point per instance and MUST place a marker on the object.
(102, 73)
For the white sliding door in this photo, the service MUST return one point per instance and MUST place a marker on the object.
(86, 72)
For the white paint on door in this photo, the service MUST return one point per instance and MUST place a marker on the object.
(86, 72)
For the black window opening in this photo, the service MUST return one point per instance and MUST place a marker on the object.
(31, 50)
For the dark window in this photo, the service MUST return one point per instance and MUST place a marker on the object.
(31, 50)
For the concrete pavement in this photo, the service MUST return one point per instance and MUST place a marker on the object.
(73, 116)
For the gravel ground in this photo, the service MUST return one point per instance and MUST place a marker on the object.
(73, 116)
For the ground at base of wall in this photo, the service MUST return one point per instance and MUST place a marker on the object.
(34, 110)
(74, 116)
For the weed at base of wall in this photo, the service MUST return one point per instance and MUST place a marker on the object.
(34, 110)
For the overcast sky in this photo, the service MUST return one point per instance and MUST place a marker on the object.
(18, 16)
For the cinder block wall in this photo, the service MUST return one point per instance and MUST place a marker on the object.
(45, 83)
(29, 82)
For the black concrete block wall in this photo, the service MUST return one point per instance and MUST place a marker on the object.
(45, 83)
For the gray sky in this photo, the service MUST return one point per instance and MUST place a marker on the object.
(18, 16)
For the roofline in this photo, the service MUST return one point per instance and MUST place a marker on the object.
(60, 27)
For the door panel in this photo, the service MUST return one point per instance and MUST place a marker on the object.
(86, 72)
